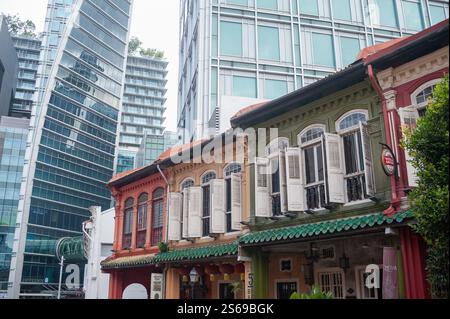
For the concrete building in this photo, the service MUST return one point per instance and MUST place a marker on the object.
(28, 52)
(99, 238)
(237, 52)
(143, 107)
(8, 68)
(13, 140)
(73, 144)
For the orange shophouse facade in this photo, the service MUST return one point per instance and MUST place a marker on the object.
(140, 219)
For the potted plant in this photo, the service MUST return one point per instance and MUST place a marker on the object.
(163, 247)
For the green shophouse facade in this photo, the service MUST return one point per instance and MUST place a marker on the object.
(319, 192)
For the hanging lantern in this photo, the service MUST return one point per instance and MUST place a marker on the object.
(240, 269)
(226, 270)
(212, 270)
(184, 273)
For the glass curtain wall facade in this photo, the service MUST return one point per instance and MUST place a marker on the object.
(13, 140)
(143, 106)
(75, 131)
(28, 53)
(237, 52)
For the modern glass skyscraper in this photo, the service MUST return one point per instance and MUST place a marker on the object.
(237, 52)
(143, 106)
(70, 155)
(13, 140)
(28, 52)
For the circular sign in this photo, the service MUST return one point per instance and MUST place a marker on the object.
(388, 161)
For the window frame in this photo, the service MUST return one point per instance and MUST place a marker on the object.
(419, 90)
(157, 200)
(204, 184)
(314, 143)
(128, 228)
(227, 176)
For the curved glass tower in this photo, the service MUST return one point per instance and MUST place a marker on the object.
(71, 148)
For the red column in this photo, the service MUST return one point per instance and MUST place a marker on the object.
(413, 254)
(115, 285)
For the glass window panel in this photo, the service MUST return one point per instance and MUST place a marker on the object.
(309, 7)
(238, 2)
(349, 50)
(323, 50)
(386, 13)
(244, 86)
(342, 10)
(437, 14)
(412, 13)
(310, 166)
(230, 38)
(269, 43)
(275, 88)
(268, 4)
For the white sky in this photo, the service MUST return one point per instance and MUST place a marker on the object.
(154, 22)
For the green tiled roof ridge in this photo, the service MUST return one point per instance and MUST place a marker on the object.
(323, 227)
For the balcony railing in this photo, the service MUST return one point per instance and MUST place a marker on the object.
(156, 236)
(356, 187)
(276, 205)
(140, 242)
(315, 196)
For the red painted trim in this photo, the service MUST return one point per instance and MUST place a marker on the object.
(413, 255)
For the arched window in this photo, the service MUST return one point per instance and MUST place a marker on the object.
(187, 184)
(157, 216)
(422, 95)
(142, 220)
(207, 177)
(357, 152)
(278, 144)
(351, 120)
(128, 223)
(206, 191)
(233, 168)
(311, 143)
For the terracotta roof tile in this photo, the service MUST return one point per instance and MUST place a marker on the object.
(250, 108)
(364, 53)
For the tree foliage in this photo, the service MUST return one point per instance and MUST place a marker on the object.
(135, 46)
(428, 146)
(18, 27)
(316, 293)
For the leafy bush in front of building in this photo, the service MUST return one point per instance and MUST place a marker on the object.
(316, 293)
(428, 146)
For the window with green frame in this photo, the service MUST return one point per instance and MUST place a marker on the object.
(231, 38)
(269, 43)
(244, 86)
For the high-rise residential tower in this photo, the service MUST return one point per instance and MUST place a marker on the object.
(71, 151)
(143, 106)
(28, 52)
(8, 67)
(239, 52)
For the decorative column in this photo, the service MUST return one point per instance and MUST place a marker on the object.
(148, 234)
(413, 253)
(134, 227)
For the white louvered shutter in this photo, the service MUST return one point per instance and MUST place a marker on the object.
(175, 202)
(368, 162)
(295, 193)
(195, 212)
(262, 187)
(185, 213)
(283, 181)
(218, 225)
(408, 117)
(236, 201)
(335, 168)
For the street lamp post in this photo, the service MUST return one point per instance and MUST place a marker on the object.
(61, 264)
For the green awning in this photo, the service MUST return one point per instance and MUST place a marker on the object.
(127, 262)
(322, 228)
(198, 253)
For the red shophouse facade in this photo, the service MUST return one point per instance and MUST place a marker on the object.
(140, 221)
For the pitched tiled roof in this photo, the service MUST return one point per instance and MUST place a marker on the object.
(127, 262)
(364, 53)
(198, 253)
(322, 228)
